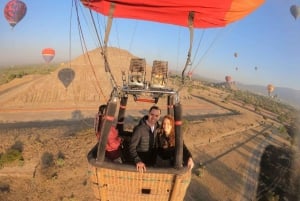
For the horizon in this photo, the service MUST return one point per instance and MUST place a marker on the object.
(196, 75)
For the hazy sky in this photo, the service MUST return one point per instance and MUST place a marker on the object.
(268, 39)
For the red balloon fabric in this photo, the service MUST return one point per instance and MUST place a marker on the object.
(205, 14)
(14, 11)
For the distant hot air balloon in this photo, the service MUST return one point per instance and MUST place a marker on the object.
(236, 68)
(228, 78)
(14, 11)
(66, 76)
(255, 67)
(190, 74)
(295, 11)
(270, 88)
(48, 54)
(235, 54)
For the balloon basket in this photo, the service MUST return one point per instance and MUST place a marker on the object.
(119, 182)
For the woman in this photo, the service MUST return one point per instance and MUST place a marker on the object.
(112, 151)
(166, 145)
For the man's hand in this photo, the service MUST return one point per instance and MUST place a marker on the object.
(140, 167)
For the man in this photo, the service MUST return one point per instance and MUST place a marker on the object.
(142, 146)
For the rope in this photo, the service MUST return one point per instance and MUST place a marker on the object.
(83, 46)
(178, 48)
(191, 28)
(197, 50)
(188, 60)
(210, 46)
(104, 50)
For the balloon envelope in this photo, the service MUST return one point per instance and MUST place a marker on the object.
(228, 78)
(295, 11)
(66, 76)
(270, 88)
(48, 54)
(14, 11)
(205, 14)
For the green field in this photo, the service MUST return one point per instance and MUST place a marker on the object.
(10, 73)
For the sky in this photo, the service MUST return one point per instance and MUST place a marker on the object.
(267, 41)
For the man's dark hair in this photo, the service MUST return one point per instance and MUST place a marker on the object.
(154, 107)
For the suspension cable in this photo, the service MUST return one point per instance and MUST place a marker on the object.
(83, 46)
(207, 50)
(191, 28)
(197, 49)
(104, 49)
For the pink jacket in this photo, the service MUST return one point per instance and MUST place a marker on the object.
(113, 140)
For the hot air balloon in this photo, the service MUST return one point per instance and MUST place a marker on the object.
(255, 68)
(295, 11)
(66, 76)
(228, 78)
(48, 54)
(190, 74)
(201, 14)
(270, 88)
(190, 14)
(14, 12)
(235, 54)
(236, 68)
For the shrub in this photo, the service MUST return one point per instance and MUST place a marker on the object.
(47, 160)
(17, 146)
(60, 155)
(11, 155)
(60, 161)
(4, 188)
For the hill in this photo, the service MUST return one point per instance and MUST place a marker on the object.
(283, 94)
(34, 94)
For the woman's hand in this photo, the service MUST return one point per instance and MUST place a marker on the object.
(190, 164)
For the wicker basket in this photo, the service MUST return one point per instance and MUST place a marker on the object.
(121, 182)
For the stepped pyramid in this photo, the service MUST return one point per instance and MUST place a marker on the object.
(90, 87)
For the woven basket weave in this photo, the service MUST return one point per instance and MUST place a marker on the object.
(111, 184)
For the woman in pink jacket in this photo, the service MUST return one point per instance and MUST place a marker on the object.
(113, 151)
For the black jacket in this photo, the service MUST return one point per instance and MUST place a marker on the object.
(142, 147)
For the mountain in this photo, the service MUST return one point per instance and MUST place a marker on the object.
(286, 95)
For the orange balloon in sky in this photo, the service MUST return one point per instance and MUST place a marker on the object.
(48, 54)
(270, 88)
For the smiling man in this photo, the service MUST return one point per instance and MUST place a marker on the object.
(142, 147)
